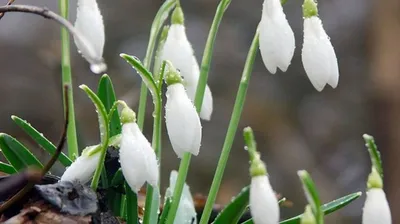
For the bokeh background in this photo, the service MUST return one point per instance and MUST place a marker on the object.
(296, 127)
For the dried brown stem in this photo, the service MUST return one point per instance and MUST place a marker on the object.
(18, 196)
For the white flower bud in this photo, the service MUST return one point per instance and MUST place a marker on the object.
(318, 56)
(186, 212)
(137, 158)
(89, 24)
(264, 206)
(179, 51)
(182, 120)
(82, 169)
(276, 37)
(376, 208)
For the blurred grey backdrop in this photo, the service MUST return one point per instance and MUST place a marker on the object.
(296, 127)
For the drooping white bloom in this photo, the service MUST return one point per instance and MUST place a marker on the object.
(276, 37)
(264, 206)
(82, 169)
(318, 56)
(182, 121)
(186, 213)
(376, 208)
(191, 87)
(89, 23)
(179, 51)
(137, 158)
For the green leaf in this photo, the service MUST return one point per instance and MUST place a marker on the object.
(374, 153)
(17, 154)
(234, 210)
(106, 94)
(165, 211)
(7, 168)
(327, 208)
(312, 195)
(131, 206)
(118, 178)
(41, 140)
(101, 111)
(144, 74)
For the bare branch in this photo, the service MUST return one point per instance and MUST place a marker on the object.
(10, 2)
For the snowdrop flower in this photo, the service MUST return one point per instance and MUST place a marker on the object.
(276, 37)
(89, 23)
(186, 212)
(376, 208)
(82, 169)
(318, 56)
(136, 156)
(308, 216)
(182, 120)
(179, 51)
(264, 207)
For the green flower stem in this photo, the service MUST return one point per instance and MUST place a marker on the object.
(180, 182)
(155, 30)
(208, 50)
(233, 124)
(67, 80)
(152, 204)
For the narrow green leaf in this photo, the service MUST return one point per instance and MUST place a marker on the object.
(327, 208)
(106, 94)
(41, 140)
(164, 213)
(131, 206)
(7, 168)
(235, 209)
(17, 154)
(312, 195)
(101, 111)
(144, 74)
(374, 153)
(118, 178)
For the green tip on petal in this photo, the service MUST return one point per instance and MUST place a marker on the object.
(128, 115)
(257, 166)
(164, 33)
(308, 216)
(177, 16)
(310, 8)
(374, 180)
(172, 76)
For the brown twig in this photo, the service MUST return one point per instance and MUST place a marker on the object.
(48, 14)
(10, 2)
(18, 196)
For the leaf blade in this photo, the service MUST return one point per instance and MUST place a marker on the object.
(234, 210)
(7, 168)
(41, 140)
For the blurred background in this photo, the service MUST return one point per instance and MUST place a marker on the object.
(296, 127)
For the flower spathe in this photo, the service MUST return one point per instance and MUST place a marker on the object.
(89, 23)
(318, 56)
(182, 121)
(186, 212)
(137, 158)
(82, 169)
(264, 206)
(277, 42)
(179, 51)
(376, 208)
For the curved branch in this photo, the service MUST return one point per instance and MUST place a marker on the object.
(48, 14)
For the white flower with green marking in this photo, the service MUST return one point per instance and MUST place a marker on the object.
(182, 120)
(136, 156)
(179, 51)
(89, 23)
(83, 168)
(318, 56)
(277, 42)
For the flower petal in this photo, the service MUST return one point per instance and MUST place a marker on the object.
(82, 169)
(182, 120)
(318, 55)
(376, 208)
(277, 42)
(264, 206)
